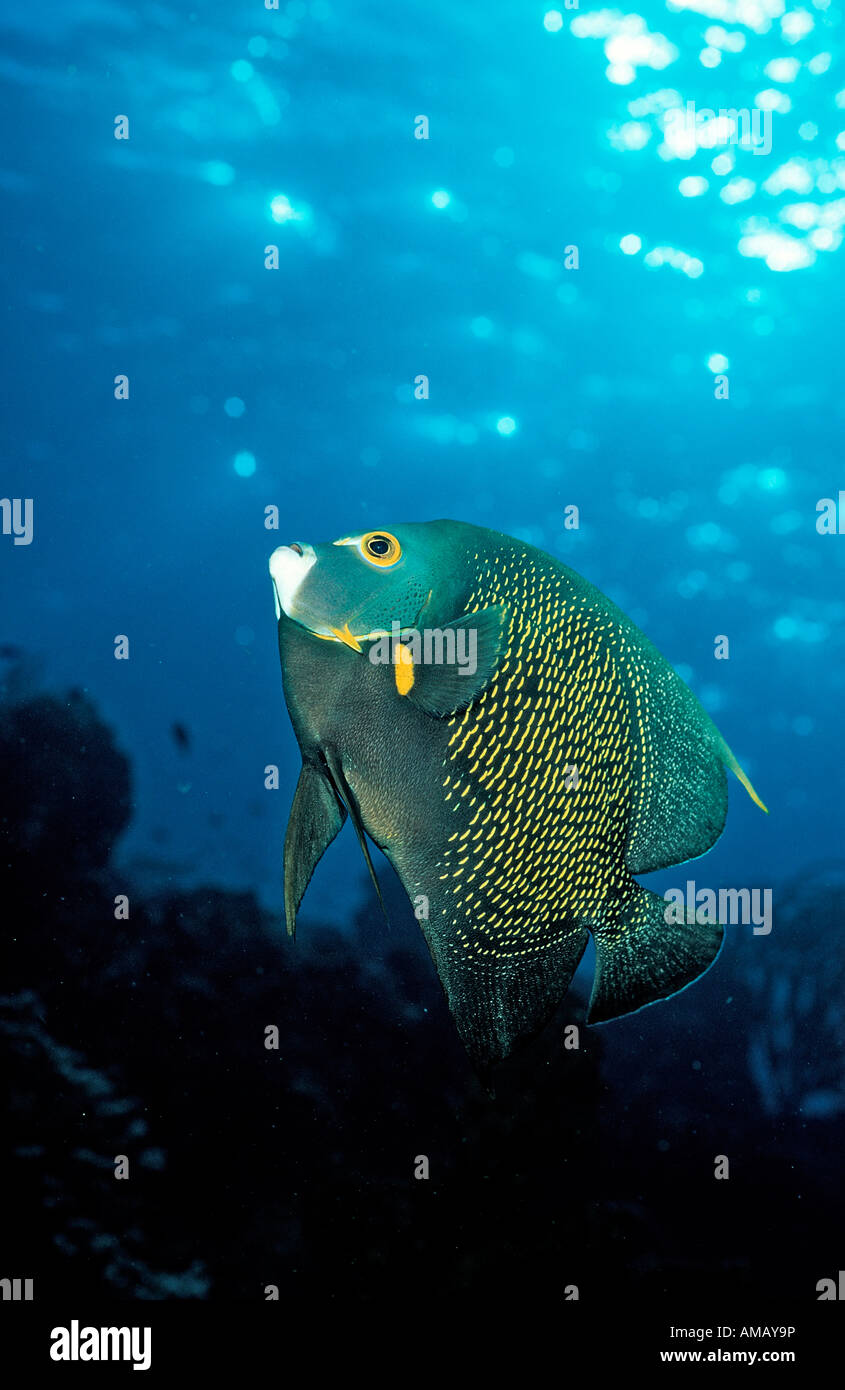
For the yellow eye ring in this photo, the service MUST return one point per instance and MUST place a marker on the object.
(380, 548)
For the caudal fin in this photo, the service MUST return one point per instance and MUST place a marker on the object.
(640, 957)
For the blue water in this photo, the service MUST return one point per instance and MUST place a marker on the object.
(549, 386)
(619, 307)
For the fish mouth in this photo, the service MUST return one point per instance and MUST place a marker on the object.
(289, 565)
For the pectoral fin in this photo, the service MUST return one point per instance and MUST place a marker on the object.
(443, 688)
(316, 816)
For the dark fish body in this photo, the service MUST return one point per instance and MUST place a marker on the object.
(520, 802)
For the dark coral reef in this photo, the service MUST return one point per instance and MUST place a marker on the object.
(251, 1165)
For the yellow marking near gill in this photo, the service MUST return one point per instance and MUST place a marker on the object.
(403, 671)
(348, 639)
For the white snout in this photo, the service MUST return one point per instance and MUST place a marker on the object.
(288, 569)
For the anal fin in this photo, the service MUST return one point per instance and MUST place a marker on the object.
(641, 957)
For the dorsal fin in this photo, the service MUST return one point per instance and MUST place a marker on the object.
(731, 762)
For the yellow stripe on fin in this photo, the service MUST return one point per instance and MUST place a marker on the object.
(404, 669)
(731, 762)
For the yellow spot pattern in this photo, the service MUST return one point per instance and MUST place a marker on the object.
(537, 849)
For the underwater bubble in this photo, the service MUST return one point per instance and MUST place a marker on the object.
(541, 267)
(234, 407)
(738, 571)
(440, 428)
(712, 697)
(553, 21)
(244, 464)
(803, 725)
(282, 210)
(737, 190)
(631, 135)
(718, 37)
(648, 507)
(825, 239)
(706, 534)
(621, 74)
(800, 215)
(796, 24)
(369, 456)
(630, 244)
(782, 69)
(773, 100)
(526, 341)
(244, 636)
(506, 425)
(258, 47)
(693, 186)
(482, 327)
(795, 175)
(217, 173)
(717, 362)
(241, 70)
(709, 57)
(690, 585)
(779, 251)
(441, 199)
(771, 479)
(504, 156)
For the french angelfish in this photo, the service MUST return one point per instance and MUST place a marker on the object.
(516, 794)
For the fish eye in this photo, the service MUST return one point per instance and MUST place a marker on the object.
(380, 548)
